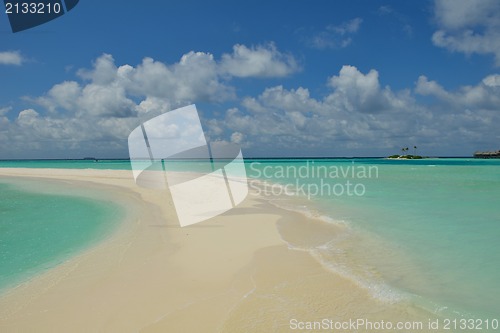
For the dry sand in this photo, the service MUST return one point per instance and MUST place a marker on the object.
(232, 273)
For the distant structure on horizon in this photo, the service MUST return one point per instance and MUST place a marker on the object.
(487, 154)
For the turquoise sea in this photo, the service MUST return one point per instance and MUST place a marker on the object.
(40, 229)
(426, 231)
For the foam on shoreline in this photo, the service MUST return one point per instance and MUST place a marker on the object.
(332, 240)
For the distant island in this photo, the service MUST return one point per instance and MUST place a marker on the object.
(406, 156)
(487, 154)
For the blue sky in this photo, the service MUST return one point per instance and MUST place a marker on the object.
(281, 78)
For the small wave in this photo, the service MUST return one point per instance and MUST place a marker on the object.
(325, 252)
(377, 289)
(309, 212)
(441, 310)
(293, 203)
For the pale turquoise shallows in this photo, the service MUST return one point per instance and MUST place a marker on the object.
(39, 231)
(427, 230)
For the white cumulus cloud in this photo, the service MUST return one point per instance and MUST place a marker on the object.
(468, 26)
(356, 112)
(355, 91)
(11, 58)
(261, 61)
(96, 111)
(480, 97)
(359, 116)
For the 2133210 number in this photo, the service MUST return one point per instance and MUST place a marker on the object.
(32, 8)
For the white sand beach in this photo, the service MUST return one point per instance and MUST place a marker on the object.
(232, 273)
